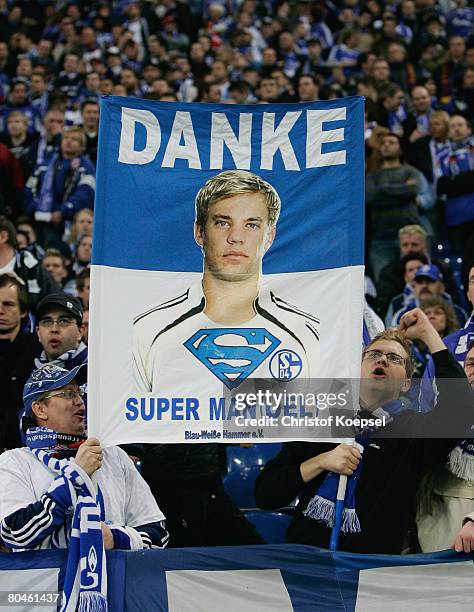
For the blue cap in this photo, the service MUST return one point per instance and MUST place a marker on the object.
(429, 271)
(46, 379)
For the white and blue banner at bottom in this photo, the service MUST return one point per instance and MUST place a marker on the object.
(167, 366)
(284, 578)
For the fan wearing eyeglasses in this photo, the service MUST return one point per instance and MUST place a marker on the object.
(60, 468)
(60, 330)
(384, 471)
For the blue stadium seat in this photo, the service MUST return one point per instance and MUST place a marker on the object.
(455, 264)
(265, 452)
(257, 455)
(239, 484)
(271, 526)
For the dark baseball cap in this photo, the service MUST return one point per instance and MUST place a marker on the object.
(60, 300)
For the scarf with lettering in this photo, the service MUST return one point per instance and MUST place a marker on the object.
(85, 582)
(62, 446)
(372, 325)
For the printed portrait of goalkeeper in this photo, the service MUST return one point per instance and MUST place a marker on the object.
(229, 325)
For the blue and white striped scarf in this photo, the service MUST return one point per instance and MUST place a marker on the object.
(46, 196)
(322, 506)
(68, 360)
(85, 583)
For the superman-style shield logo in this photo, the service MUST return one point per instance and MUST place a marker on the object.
(232, 354)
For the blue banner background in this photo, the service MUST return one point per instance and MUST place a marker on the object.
(144, 213)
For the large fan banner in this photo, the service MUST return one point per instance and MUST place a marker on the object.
(228, 248)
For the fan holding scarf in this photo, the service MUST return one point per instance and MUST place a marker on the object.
(65, 491)
(386, 467)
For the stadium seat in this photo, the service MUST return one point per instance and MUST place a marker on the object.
(257, 455)
(455, 265)
(271, 526)
(239, 484)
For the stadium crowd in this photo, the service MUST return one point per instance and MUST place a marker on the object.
(413, 61)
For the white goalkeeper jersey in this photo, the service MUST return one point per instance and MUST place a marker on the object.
(177, 349)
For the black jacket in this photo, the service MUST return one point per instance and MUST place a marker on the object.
(16, 363)
(391, 472)
(418, 154)
(39, 282)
